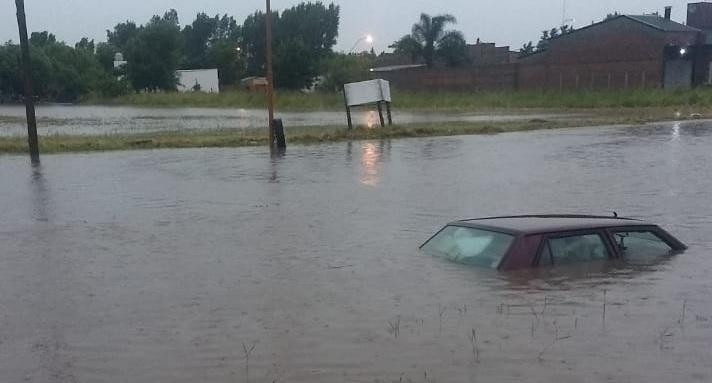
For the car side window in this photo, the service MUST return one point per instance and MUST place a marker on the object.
(640, 244)
(573, 249)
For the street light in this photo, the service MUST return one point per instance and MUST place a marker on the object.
(367, 38)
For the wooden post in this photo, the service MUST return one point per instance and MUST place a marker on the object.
(270, 74)
(380, 114)
(388, 111)
(29, 95)
(348, 110)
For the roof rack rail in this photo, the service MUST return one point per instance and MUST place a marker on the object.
(615, 216)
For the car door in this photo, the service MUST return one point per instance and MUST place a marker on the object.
(577, 247)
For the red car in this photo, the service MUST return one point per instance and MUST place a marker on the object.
(515, 242)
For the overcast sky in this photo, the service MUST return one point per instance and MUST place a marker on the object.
(506, 22)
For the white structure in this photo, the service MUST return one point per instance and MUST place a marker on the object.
(198, 80)
(119, 60)
(367, 92)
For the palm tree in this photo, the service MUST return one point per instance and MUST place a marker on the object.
(427, 37)
(428, 31)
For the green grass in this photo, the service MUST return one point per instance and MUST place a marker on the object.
(435, 101)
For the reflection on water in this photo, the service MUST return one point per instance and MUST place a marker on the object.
(675, 131)
(370, 164)
(40, 194)
(160, 265)
(371, 119)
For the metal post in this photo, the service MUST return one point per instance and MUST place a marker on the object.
(388, 112)
(29, 95)
(270, 75)
(380, 114)
(348, 110)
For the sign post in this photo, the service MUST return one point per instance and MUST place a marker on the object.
(270, 75)
(29, 95)
(367, 93)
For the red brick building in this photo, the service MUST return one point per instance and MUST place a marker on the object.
(618, 53)
(622, 52)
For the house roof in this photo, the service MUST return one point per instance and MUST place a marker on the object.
(661, 23)
(653, 21)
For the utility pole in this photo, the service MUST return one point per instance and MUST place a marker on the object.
(29, 96)
(270, 75)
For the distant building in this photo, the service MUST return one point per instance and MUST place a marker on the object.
(198, 80)
(626, 51)
(254, 84)
(482, 54)
(478, 54)
(621, 52)
(119, 60)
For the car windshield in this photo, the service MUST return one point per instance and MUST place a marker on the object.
(469, 246)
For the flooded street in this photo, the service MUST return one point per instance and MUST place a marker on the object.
(93, 120)
(225, 265)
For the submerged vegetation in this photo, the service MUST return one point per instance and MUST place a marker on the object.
(206, 138)
(252, 137)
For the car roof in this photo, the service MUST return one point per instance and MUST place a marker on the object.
(532, 224)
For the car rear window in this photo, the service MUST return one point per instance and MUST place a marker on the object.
(640, 245)
(469, 246)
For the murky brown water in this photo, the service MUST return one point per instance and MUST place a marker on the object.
(165, 266)
(72, 119)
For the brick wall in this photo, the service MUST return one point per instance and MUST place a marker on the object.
(699, 15)
(496, 77)
(619, 54)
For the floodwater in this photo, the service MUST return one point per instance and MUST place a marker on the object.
(85, 120)
(226, 265)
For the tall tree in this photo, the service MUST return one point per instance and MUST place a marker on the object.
(428, 31)
(154, 53)
(527, 49)
(304, 35)
(122, 34)
(105, 53)
(195, 39)
(85, 44)
(224, 56)
(10, 75)
(426, 37)
(452, 49)
(254, 42)
(408, 46)
(548, 35)
(42, 39)
(341, 68)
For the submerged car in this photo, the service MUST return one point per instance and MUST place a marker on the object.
(516, 242)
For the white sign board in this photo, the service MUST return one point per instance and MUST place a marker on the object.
(367, 92)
